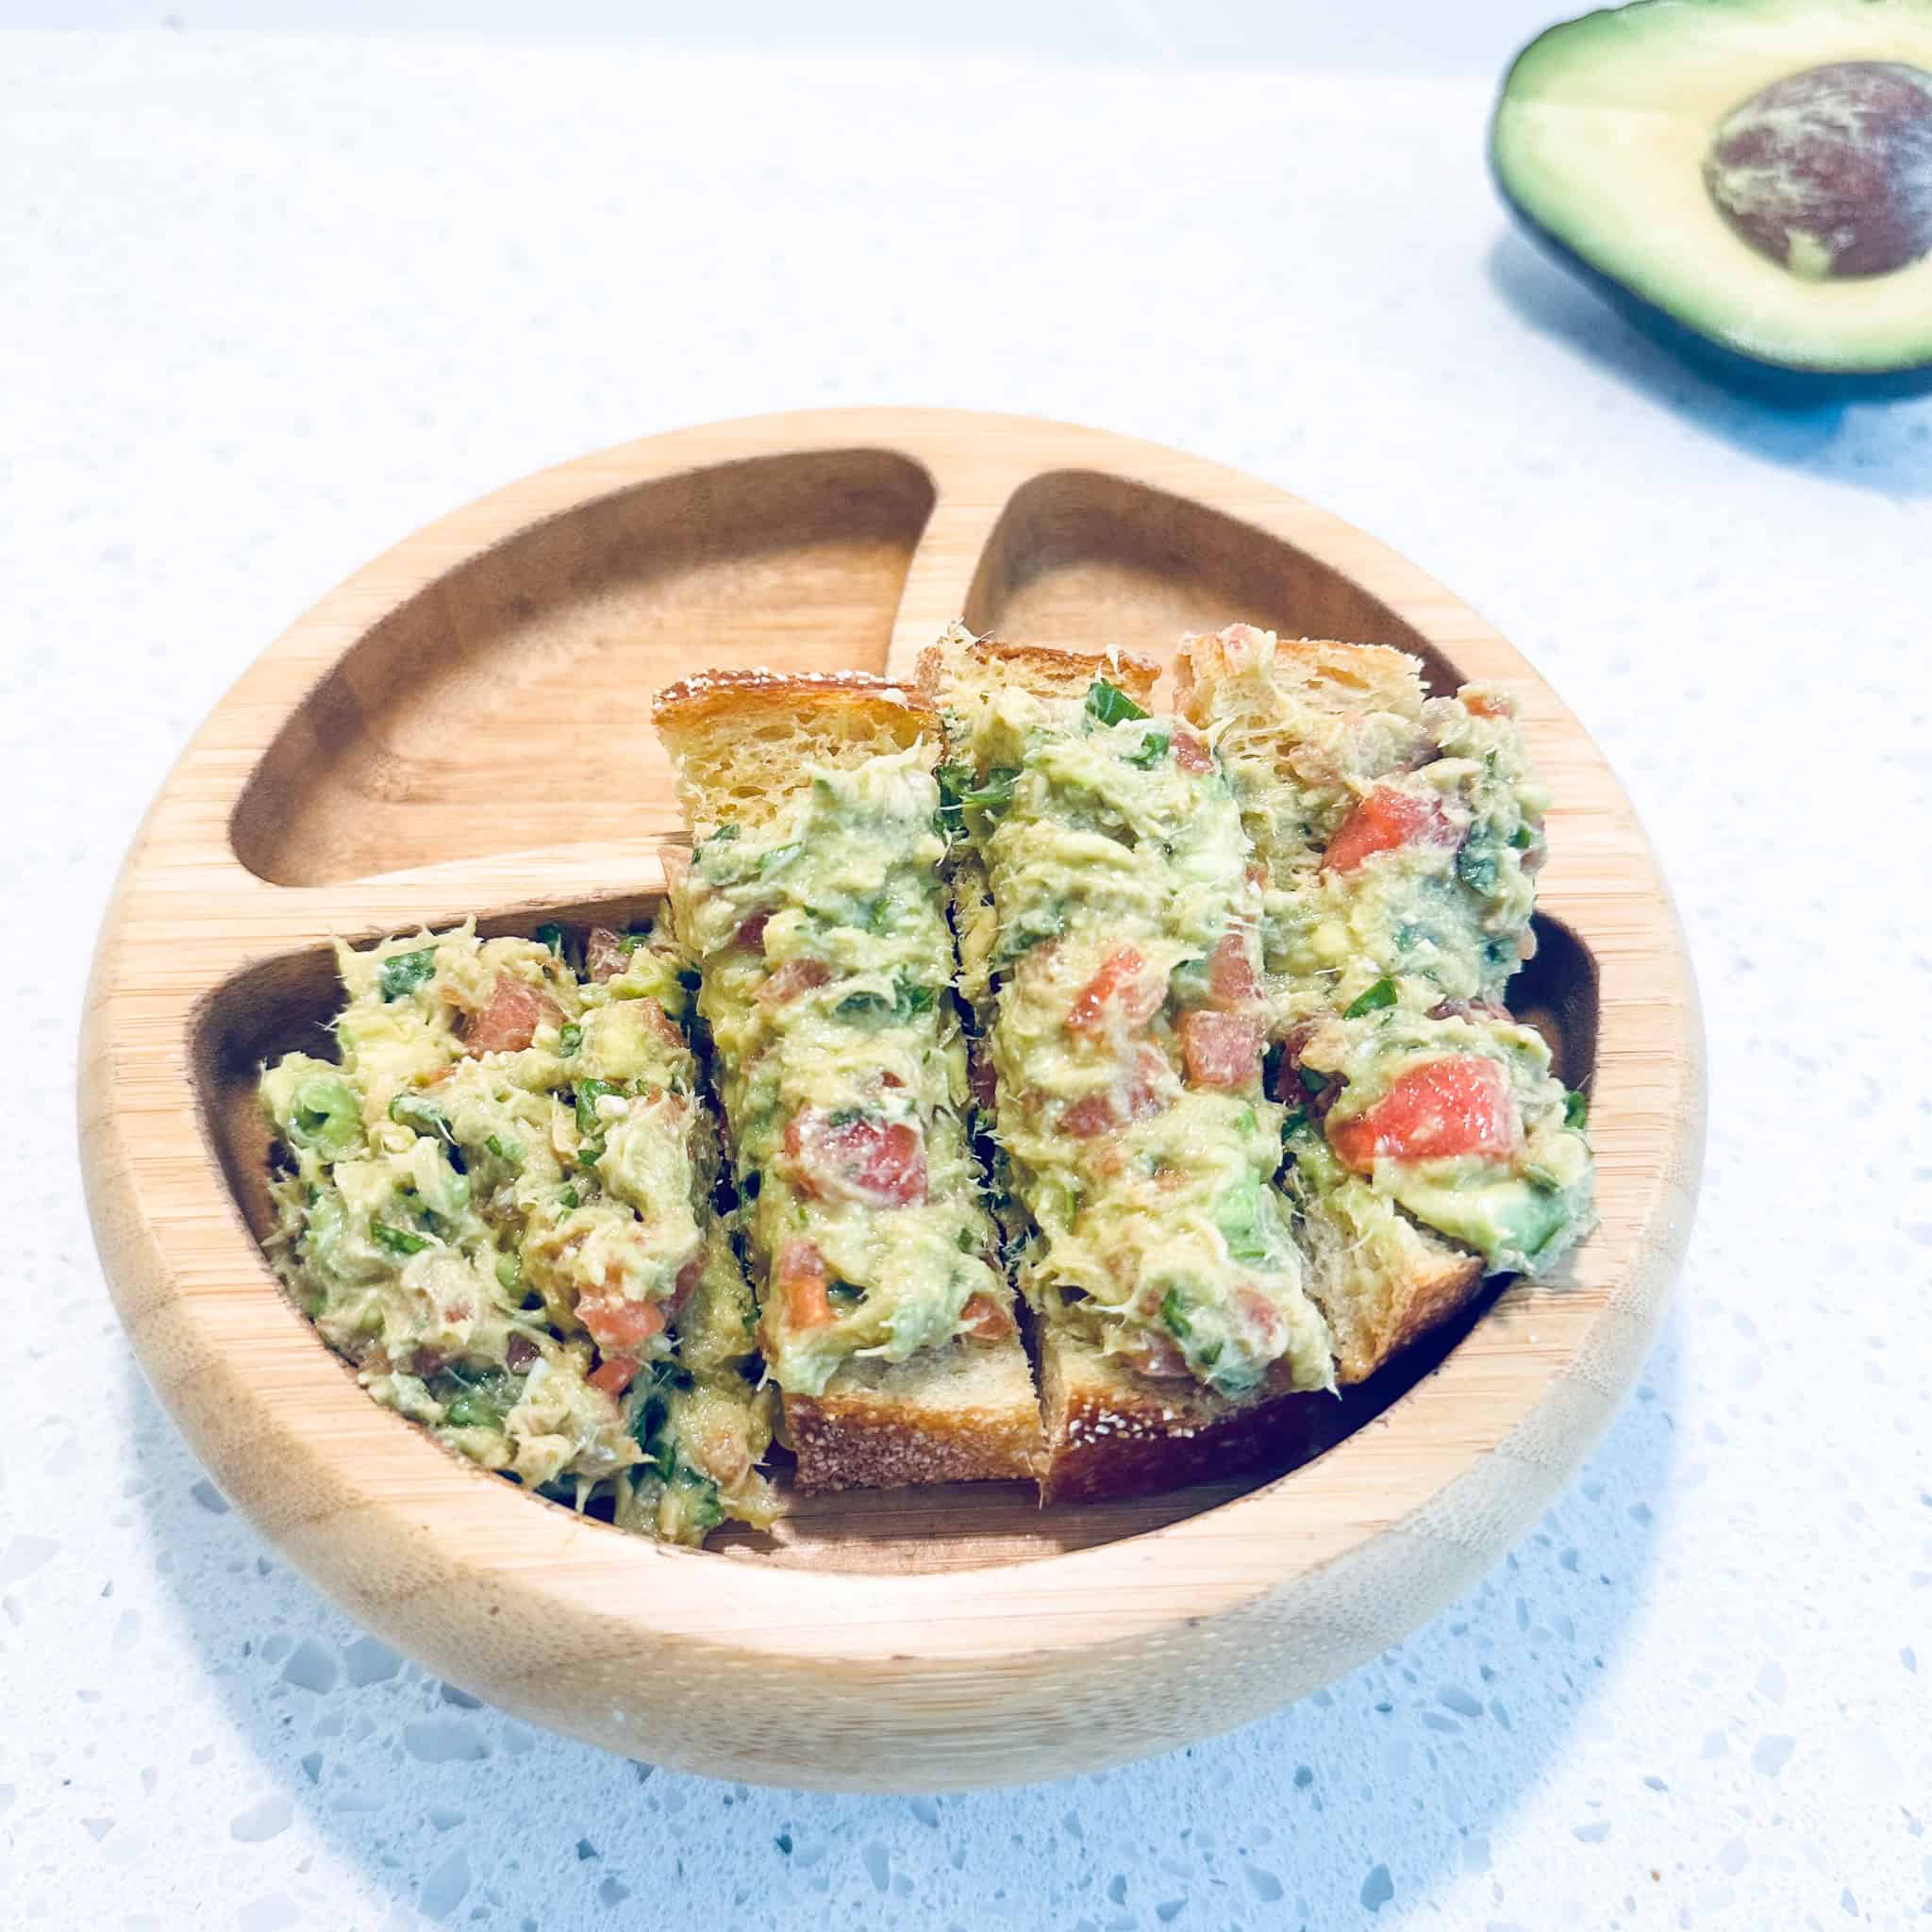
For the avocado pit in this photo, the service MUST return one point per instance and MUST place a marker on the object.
(1829, 171)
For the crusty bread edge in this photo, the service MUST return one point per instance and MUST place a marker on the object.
(1037, 669)
(1112, 1433)
(855, 1437)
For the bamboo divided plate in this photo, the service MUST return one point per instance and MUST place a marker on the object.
(462, 727)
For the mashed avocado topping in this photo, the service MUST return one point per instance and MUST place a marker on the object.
(1455, 1121)
(1402, 835)
(826, 967)
(1108, 924)
(496, 1204)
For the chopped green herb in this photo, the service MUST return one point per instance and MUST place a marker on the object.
(570, 1038)
(1153, 748)
(591, 1124)
(1381, 994)
(1110, 704)
(398, 1240)
(1237, 1215)
(1522, 837)
(906, 1002)
(967, 1241)
(403, 972)
(777, 858)
(955, 781)
(1575, 1109)
(551, 936)
(1174, 1314)
(415, 1110)
(996, 794)
(569, 1197)
(510, 1151)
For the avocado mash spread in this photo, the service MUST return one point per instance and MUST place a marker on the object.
(496, 1204)
(826, 968)
(1402, 836)
(1110, 928)
(1455, 1121)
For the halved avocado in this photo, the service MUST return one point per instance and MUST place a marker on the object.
(1755, 172)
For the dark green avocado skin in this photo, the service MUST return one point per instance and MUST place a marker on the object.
(1770, 382)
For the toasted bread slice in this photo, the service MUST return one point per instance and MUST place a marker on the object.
(1110, 1431)
(744, 744)
(1306, 726)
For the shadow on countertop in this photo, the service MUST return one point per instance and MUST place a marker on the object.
(1882, 445)
(1371, 1797)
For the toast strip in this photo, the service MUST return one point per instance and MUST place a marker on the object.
(811, 909)
(1428, 1142)
(498, 1206)
(1110, 930)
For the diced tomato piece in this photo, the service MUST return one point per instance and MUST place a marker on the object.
(604, 954)
(1154, 1355)
(1231, 980)
(1123, 984)
(1220, 1049)
(1488, 704)
(654, 1011)
(1435, 1111)
(878, 1163)
(613, 1374)
(792, 978)
(752, 933)
(509, 1021)
(983, 1077)
(618, 1322)
(1190, 754)
(1135, 1095)
(688, 1278)
(1383, 821)
(984, 1318)
(801, 1279)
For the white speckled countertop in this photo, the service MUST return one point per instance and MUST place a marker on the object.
(269, 305)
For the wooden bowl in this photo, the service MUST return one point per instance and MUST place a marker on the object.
(461, 727)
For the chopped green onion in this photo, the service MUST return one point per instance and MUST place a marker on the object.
(955, 781)
(403, 972)
(569, 1197)
(1110, 704)
(398, 1240)
(1575, 1109)
(1381, 994)
(510, 1151)
(1523, 838)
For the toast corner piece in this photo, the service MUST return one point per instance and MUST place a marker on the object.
(960, 667)
(1210, 668)
(965, 1413)
(1437, 1283)
(1112, 1433)
(742, 741)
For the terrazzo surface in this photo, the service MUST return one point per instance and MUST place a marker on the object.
(271, 305)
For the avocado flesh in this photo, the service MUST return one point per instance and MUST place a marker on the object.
(1507, 1221)
(1601, 139)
